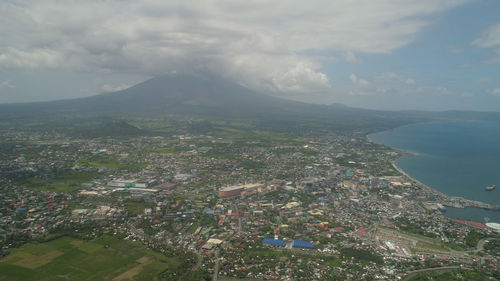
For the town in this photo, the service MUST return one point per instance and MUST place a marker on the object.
(262, 207)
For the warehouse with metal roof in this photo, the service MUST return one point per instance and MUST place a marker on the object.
(274, 242)
(302, 244)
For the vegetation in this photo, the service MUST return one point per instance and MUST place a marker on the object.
(136, 206)
(111, 129)
(105, 258)
(493, 247)
(361, 255)
(473, 238)
(67, 181)
(412, 228)
(453, 275)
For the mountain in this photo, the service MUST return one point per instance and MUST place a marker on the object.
(205, 96)
(183, 94)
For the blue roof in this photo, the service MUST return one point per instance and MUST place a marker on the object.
(274, 242)
(302, 244)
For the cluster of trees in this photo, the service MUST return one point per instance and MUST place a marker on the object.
(457, 275)
(361, 255)
(185, 270)
(473, 238)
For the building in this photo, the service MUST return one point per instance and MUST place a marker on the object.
(130, 183)
(274, 242)
(212, 243)
(494, 226)
(302, 244)
(230, 191)
(122, 183)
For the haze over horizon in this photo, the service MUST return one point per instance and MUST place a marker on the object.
(425, 55)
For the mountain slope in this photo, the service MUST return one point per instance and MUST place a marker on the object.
(213, 97)
(172, 94)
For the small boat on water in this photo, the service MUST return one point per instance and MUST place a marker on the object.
(490, 187)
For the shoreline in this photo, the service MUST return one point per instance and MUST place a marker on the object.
(448, 200)
(445, 199)
(401, 151)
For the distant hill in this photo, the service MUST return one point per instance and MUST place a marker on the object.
(214, 97)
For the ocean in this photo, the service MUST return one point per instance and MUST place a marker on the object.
(456, 158)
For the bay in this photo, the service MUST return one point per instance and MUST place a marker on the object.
(473, 214)
(456, 158)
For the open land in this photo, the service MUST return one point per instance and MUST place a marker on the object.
(104, 258)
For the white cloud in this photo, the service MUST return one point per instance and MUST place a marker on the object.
(302, 78)
(410, 81)
(257, 43)
(394, 77)
(484, 80)
(434, 91)
(394, 85)
(455, 49)
(14, 58)
(442, 91)
(386, 83)
(490, 38)
(353, 78)
(114, 88)
(351, 57)
(495, 92)
(388, 76)
(6, 84)
(361, 87)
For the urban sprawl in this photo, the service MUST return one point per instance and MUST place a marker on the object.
(271, 207)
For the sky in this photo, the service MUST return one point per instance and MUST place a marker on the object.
(381, 54)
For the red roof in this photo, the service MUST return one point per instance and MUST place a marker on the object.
(472, 223)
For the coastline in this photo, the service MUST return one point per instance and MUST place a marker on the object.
(401, 151)
(445, 199)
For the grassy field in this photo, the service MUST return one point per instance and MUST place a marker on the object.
(72, 259)
(110, 162)
(67, 183)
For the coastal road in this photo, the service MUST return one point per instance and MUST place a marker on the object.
(445, 268)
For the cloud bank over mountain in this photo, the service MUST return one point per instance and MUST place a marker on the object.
(265, 45)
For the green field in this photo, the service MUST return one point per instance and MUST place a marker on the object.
(110, 162)
(72, 259)
(68, 182)
(454, 275)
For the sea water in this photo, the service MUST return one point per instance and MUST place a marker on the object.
(456, 158)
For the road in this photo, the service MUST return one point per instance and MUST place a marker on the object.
(239, 218)
(216, 268)
(480, 243)
(445, 268)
